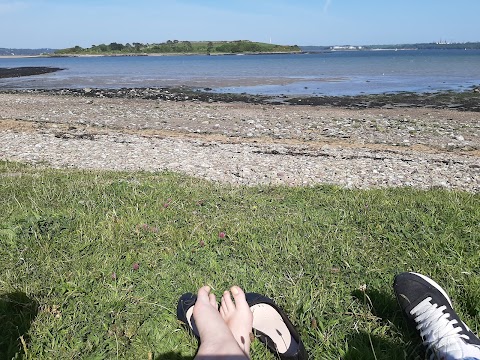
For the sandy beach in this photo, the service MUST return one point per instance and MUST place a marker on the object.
(245, 143)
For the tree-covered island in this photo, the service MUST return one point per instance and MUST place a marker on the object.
(182, 47)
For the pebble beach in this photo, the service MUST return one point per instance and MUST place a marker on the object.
(244, 143)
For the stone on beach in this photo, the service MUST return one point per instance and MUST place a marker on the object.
(246, 144)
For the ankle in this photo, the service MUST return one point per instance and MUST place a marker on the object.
(220, 349)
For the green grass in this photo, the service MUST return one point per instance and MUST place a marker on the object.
(63, 233)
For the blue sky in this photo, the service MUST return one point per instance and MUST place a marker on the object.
(66, 23)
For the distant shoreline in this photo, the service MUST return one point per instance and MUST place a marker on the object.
(218, 48)
(20, 56)
(149, 54)
(174, 54)
(303, 52)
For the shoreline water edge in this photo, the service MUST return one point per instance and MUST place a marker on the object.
(465, 100)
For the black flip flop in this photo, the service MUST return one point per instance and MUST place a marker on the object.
(272, 326)
(186, 303)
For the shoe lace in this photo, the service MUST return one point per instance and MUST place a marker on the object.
(438, 332)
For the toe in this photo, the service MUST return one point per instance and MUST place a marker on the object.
(239, 296)
(203, 294)
(213, 300)
(227, 302)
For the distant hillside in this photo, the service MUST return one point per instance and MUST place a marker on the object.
(25, 52)
(428, 46)
(419, 46)
(182, 47)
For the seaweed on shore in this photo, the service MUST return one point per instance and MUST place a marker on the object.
(26, 71)
(463, 101)
(468, 100)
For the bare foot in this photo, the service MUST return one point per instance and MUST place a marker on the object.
(216, 339)
(238, 317)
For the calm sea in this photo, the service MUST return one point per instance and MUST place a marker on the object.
(334, 73)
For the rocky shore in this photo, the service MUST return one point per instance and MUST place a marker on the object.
(25, 71)
(468, 100)
(361, 142)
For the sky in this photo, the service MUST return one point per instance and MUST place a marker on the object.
(67, 23)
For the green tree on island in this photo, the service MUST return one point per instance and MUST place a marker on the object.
(183, 47)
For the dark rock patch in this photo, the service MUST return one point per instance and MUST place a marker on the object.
(25, 71)
(459, 101)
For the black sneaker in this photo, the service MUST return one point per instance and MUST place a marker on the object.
(428, 307)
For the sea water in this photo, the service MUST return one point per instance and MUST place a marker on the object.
(328, 73)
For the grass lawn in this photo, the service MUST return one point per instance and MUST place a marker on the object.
(69, 242)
